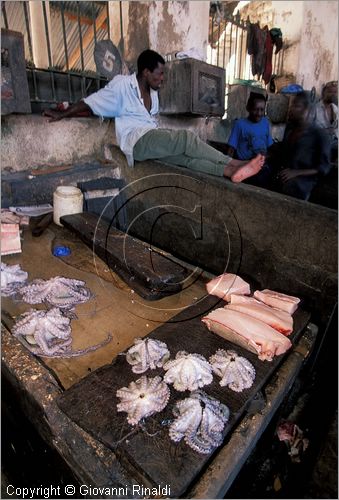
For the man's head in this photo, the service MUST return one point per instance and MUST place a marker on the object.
(330, 92)
(299, 108)
(256, 106)
(151, 68)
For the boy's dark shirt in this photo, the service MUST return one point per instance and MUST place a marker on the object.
(309, 149)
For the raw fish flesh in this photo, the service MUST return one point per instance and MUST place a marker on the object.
(224, 285)
(279, 300)
(250, 333)
(277, 319)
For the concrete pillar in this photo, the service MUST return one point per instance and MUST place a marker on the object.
(165, 27)
(119, 22)
(116, 23)
(38, 33)
(136, 35)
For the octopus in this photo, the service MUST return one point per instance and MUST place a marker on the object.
(235, 371)
(200, 420)
(143, 398)
(58, 291)
(12, 277)
(147, 354)
(48, 334)
(188, 371)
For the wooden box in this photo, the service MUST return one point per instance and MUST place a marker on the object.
(276, 108)
(193, 87)
(237, 99)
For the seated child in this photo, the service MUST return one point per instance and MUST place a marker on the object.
(251, 136)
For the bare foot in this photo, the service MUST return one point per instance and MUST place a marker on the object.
(230, 169)
(248, 169)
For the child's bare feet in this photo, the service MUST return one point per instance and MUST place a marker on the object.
(248, 169)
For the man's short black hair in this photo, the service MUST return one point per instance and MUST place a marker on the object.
(255, 96)
(149, 59)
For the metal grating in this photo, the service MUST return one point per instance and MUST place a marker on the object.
(15, 16)
(70, 39)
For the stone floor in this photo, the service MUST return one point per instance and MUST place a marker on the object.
(324, 480)
(269, 473)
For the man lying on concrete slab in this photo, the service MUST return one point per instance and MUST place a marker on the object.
(133, 101)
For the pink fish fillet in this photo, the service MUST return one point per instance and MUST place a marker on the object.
(279, 300)
(250, 333)
(224, 285)
(277, 319)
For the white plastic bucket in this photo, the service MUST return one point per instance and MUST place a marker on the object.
(67, 200)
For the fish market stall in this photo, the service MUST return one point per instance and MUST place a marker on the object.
(90, 337)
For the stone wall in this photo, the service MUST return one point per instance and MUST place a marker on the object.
(310, 34)
(30, 141)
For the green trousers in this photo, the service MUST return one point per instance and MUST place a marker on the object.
(180, 147)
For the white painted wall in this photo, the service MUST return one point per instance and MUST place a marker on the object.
(176, 26)
(288, 16)
(318, 54)
(310, 34)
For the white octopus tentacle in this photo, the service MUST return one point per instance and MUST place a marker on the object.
(49, 330)
(200, 420)
(147, 354)
(12, 277)
(235, 371)
(142, 398)
(188, 371)
(58, 291)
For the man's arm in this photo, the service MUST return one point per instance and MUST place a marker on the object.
(290, 173)
(74, 110)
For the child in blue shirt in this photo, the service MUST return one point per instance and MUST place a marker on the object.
(251, 136)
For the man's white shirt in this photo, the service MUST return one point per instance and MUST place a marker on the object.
(121, 99)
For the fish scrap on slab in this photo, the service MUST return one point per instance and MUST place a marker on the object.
(279, 300)
(280, 320)
(225, 285)
(247, 332)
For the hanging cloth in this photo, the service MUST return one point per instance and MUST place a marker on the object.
(256, 48)
(268, 57)
(277, 40)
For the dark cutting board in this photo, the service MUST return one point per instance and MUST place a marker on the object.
(91, 403)
(149, 273)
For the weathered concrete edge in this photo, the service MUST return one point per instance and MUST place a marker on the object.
(90, 461)
(30, 141)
